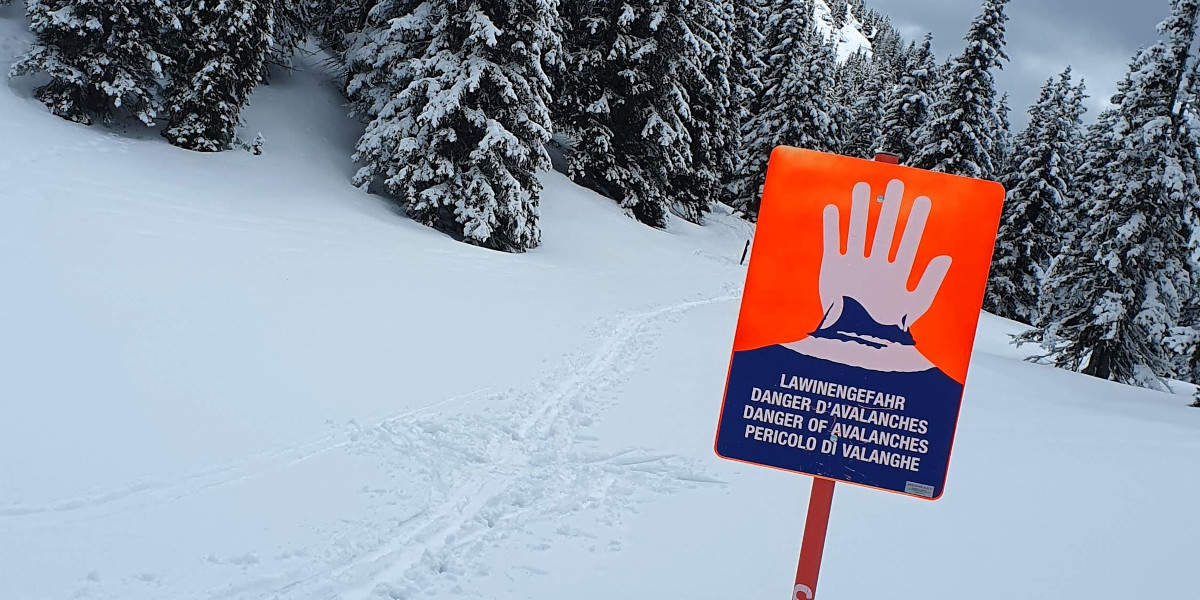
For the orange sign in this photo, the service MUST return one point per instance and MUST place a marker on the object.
(857, 321)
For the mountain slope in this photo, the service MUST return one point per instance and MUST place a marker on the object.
(849, 38)
(238, 377)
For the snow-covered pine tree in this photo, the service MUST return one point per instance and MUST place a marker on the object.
(907, 105)
(368, 45)
(794, 108)
(1186, 339)
(222, 48)
(958, 137)
(1002, 152)
(1089, 182)
(874, 23)
(849, 78)
(291, 21)
(1077, 97)
(622, 102)
(1090, 178)
(460, 100)
(748, 66)
(862, 129)
(704, 71)
(840, 114)
(1111, 304)
(333, 22)
(797, 108)
(1030, 231)
(101, 56)
(1185, 342)
(838, 11)
(888, 53)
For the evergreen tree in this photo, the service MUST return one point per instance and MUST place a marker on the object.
(1047, 150)
(838, 11)
(1090, 177)
(1002, 153)
(100, 55)
(849, 79)
(748, 67)
(1112, 304)
(335, 22)
(704, 70)
(624, 103)
(959, 136)
(864, 128)
(222, 48)
(1090, 182)
(362, 34)
(459, 97)
(291, 20)
(861, 85)
(794, 109)
(858, 8)
(907, 105)
(889, 53)
(1186, 340)
(874, 24)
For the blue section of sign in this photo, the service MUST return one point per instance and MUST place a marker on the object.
(889, 430)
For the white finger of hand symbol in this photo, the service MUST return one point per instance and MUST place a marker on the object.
(878, 284)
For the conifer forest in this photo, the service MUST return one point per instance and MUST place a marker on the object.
(671, 107)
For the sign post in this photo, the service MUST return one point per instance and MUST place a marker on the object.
(855, 332)
(816, 524)
(820, 501)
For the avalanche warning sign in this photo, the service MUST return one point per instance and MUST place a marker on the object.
(856, 326)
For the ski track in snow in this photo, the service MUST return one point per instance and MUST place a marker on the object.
(485, 476)
(503, 472)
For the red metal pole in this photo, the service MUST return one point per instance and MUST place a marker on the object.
(820, 500)
(813, 545)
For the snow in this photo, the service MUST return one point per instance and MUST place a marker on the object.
(239, 377)
(848, 39)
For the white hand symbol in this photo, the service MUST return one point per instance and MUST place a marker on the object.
(879, 285)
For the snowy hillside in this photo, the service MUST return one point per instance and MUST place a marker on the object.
(849, 38)
(237, 377)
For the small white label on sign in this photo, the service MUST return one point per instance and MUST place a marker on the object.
(918, 489)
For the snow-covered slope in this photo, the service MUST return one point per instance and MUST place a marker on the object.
(237, 377)
(849, 38)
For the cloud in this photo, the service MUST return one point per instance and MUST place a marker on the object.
(1096, 37)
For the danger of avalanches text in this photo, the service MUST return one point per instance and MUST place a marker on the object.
(857, 415)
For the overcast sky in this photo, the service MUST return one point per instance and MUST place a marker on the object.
(1096, 37)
